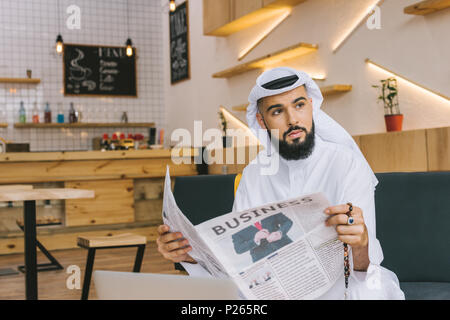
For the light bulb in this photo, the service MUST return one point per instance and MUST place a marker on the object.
(59, 47)
(172, 6)
(59, 44)
(129, 50)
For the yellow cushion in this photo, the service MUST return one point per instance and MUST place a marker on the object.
(237, 179)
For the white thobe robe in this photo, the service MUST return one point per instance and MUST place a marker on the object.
(334, 170)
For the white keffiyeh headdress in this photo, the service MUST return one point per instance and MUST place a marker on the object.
(325, 127)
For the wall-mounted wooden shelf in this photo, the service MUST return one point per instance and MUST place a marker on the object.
(425, 7)
(224, 17)
(328, 90)
(336, 88)
(291, 52)
(20, 80)
(3, 125)
(84, 125)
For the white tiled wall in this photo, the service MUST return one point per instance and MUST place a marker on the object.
(28, 30)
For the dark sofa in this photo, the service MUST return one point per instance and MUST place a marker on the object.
(413, 223)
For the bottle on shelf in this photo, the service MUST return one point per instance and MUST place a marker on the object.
(22, 113)
(105, 144)
(35, 113)
(115, 143)
(47, 113)
(72, 114)
(60, 117)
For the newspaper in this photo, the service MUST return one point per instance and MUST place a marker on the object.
(281, 250)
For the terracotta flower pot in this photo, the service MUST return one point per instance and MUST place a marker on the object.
(393, 122)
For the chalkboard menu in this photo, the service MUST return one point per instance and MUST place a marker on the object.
(179, 43)
(99, 70)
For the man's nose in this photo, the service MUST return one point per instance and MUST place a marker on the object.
(291, 119)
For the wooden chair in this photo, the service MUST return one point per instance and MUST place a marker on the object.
(92, 243)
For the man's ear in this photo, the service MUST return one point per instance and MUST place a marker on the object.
(259, 117)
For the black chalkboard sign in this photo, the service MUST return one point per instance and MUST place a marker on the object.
(99, 70)
(179, 43)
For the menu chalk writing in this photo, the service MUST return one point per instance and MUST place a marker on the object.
(99, 70)
(179, 44)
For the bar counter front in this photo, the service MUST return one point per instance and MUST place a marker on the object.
(128, 188)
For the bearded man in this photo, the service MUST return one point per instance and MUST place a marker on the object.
(315, 155)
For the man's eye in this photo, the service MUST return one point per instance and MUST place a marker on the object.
(276, 112)
(301, 104)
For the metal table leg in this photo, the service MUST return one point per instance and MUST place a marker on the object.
(29, 218)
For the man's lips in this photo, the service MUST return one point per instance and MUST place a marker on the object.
(295, 134)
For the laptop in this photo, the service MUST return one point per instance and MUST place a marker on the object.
(112, 285)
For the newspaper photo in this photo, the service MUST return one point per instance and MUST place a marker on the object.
(281, 250)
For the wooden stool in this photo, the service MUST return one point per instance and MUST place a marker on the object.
(93, 243)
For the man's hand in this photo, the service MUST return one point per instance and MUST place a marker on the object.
(173, 246)
(355, 235)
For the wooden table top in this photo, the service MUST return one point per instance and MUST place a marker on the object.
(45, 194)
(11, 187)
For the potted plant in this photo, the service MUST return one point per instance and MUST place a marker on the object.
(389, 95)
(226, 141)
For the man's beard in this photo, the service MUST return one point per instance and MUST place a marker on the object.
(296, 150)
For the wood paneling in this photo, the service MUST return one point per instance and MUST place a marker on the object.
(48, 171)
(148, 189)
(113, 203)
(95, 155)
(15, 187)
(438, 145)
(44, 194)
(395, 151)
(149, 211)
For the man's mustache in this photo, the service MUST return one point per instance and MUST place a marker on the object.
(292, 129)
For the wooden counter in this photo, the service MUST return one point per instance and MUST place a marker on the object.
(128, 188)
(36, 167)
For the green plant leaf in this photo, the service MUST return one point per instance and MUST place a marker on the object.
(391, 95)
